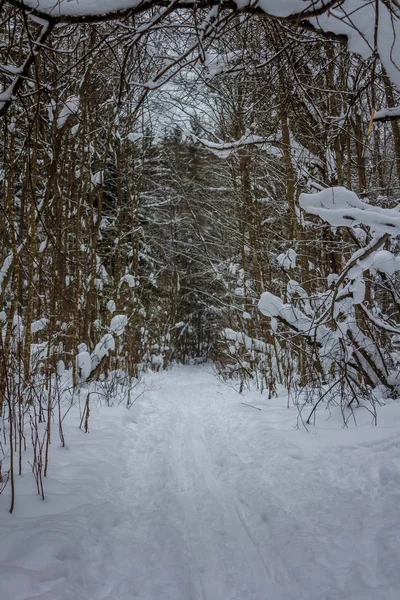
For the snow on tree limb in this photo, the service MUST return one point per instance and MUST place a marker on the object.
(387, 114)
(7, 95)
(341, 207)
(368, 26)
(225, 149)
(343, 332)
(63, 10)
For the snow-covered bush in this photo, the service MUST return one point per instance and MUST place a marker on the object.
(354, 339)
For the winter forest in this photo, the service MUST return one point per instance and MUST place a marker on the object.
(199, 299)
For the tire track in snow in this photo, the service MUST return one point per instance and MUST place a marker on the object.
(206, 578)
(235, 524)
(216, 533)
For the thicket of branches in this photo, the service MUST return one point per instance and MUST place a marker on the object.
(143, 225)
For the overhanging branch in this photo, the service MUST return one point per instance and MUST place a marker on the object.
(146, 5)
(8, 94)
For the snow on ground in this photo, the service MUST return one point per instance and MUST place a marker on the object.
(192, 495)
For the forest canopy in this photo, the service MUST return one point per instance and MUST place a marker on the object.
(371, 27)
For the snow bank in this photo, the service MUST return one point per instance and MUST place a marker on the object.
(198, 496)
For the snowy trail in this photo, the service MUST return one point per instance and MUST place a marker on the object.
(211, 515)
(191, 495)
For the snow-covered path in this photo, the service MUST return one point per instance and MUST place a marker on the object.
(191, 495)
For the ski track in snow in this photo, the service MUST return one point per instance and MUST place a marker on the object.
(191, 495)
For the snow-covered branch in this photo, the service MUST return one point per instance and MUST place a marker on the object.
(20, 73)
(369, 26)
(341, 207)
